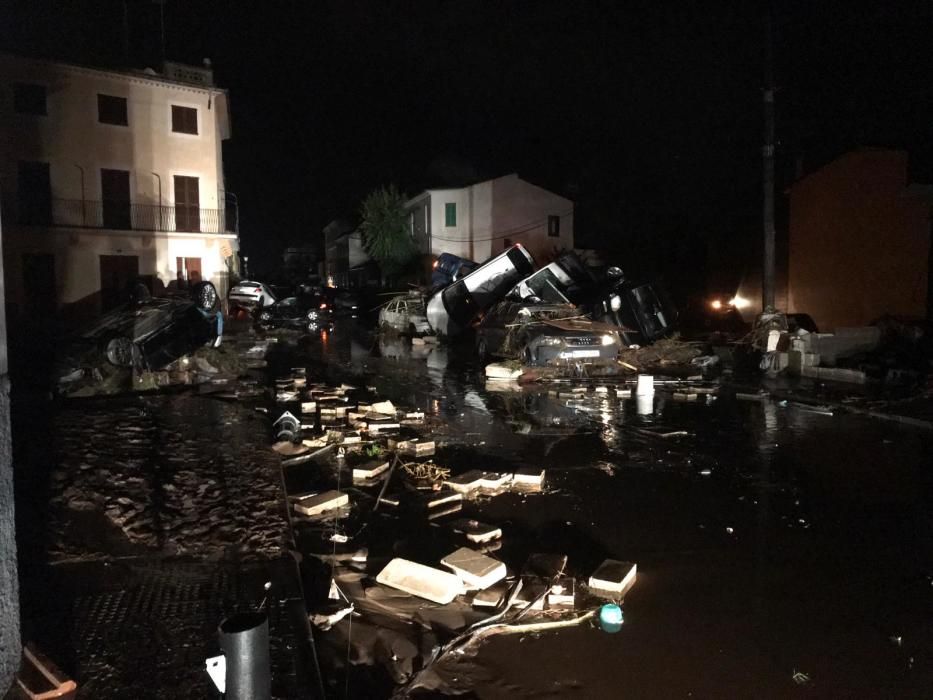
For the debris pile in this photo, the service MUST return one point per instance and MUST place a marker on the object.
(396, 573)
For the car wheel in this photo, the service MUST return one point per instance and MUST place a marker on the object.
(527, 356)
(204, 295)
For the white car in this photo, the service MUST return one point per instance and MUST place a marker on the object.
(405, 314)
(247, 294)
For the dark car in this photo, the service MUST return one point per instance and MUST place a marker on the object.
(342, 302)
(306, 311)
(448, 268)
(545, 334)
(148, 332)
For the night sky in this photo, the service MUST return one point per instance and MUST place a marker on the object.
(647, 114)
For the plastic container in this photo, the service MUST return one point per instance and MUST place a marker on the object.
(644, 385)
(610, 618)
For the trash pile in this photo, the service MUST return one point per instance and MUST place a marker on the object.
(892, 351)
(396, 572)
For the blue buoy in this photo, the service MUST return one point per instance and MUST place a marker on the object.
(610, 618)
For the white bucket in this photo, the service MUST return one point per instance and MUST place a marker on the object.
(645, 385)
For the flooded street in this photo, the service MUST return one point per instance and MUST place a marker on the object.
(779, 550)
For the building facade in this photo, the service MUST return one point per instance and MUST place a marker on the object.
(859, 241)
(481, 220)
(346, 262)
(110, 176)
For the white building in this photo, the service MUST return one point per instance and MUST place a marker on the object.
(481, 220)
(107, 176)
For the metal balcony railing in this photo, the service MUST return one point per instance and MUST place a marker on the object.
(121, 215)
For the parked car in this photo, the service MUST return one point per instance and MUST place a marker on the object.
(249, 295)
(453, 309)
(545, 334)
(341, 301)
(405, 314)
(310, 311)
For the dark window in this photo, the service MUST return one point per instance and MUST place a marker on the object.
(29, 98)
(450, 214)
(34, 190)
(184, 120)
(553, 226)
(115, 194)
(111, 110)
(187, 204)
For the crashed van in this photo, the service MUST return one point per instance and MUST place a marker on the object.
(453, 309)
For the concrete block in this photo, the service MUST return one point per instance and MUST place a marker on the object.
(420, 580)
(466, 482)
(845, 342)
(370, 470)
(476, 531)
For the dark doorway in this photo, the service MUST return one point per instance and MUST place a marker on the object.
(187, 204)
(35, 193)
(189, 269)
(115, 193)
(39, 284)
(117, 273)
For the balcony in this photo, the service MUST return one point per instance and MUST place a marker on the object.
(78, 213)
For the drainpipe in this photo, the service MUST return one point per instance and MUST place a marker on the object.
(83, 199)
(159, 178)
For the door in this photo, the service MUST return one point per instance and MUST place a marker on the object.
(115, 196)
(39, 283)
(188, 269)
(117, 273)
(187, 204)
(35, 193)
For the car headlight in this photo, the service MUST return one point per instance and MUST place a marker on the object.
(608, 339)
(615, 302)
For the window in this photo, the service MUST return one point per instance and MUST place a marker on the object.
(188, 269)
(450, 214)
(187, 204)
(111, 110)
(115, 193)
(29, 98)
(34, 188)
(184, 120)
(553, 226)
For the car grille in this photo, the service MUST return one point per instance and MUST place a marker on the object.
(584, 340)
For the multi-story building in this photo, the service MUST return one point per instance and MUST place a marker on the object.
(108, 176)
(481, 220)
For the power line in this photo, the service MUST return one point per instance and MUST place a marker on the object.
(499, 235)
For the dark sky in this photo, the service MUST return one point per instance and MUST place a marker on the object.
(647, 114)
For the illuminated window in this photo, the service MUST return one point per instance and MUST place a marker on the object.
(111, 110)
(450, 214)
(184, 120)
(553, 226)
(29, 99)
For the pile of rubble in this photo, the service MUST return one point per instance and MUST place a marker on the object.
(395, 572)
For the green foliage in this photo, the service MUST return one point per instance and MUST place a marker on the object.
(385, 229)
(372, 451)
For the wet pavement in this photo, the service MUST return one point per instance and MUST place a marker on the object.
(780, 550)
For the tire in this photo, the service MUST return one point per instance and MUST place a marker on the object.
(204, 295)
(482, 350)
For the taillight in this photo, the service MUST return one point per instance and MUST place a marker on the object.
(323, 306)
(258, 289)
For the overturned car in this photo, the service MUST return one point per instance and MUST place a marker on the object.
(147, 333)
(545, 334)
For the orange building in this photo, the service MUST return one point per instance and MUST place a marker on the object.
(859, 241)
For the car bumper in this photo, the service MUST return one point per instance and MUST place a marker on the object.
(557, 354)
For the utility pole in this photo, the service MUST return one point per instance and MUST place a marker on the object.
(767, 165)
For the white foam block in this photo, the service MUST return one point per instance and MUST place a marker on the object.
(315, 504)
(475, 569)
(420, 580)
(614, 576)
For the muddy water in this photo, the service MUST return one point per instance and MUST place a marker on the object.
(780, 551)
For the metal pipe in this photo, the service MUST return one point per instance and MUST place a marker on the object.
(83, 198)
(159, 178)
